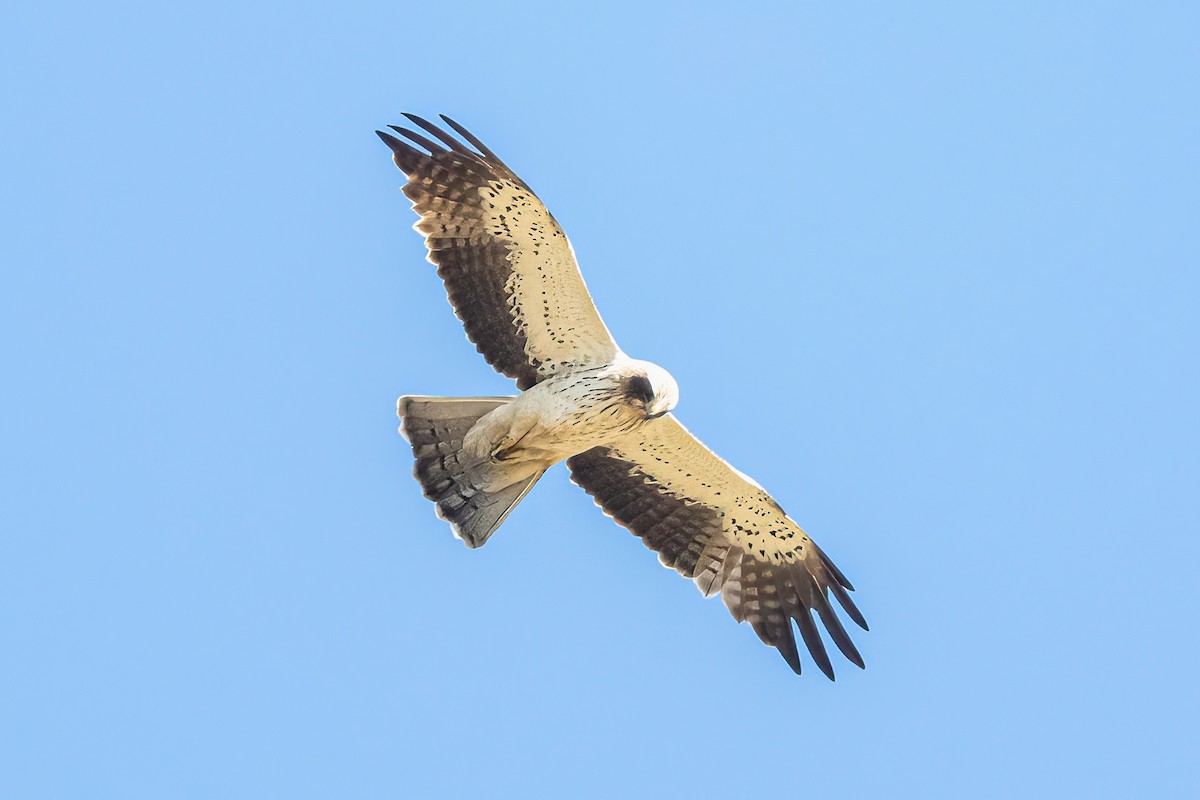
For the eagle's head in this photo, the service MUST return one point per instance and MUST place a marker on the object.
(651, 389)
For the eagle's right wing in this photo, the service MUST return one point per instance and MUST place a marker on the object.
(718, 527)
(509, 270)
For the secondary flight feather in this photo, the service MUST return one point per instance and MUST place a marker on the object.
(511, 276)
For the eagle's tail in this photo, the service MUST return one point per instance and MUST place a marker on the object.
(436, 427)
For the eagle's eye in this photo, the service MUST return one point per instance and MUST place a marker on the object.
(638, 388)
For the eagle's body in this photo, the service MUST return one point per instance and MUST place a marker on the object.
(569, 413)
(512, 278)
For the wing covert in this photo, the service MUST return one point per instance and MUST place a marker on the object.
(718, 527)
(509, 270)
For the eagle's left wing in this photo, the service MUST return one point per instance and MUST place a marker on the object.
(510, 272)
(715, 525)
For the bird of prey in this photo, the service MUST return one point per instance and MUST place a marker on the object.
(512, 279)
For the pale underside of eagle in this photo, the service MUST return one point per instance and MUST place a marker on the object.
(512, 279)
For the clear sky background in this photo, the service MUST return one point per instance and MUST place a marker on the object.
(929, 272)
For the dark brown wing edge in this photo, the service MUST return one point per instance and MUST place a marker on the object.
(689, 537)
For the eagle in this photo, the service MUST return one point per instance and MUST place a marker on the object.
(511, 276)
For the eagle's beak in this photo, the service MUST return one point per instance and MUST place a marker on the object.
(659, 404)
(658, 407)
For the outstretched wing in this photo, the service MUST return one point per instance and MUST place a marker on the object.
(718, 527)
(509, 270)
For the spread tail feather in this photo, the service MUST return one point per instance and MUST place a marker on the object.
(436, 427)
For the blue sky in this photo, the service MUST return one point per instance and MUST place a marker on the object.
(928, 273)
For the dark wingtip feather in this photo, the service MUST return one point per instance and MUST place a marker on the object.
(470, 137)
(432, 147)
(829, 565)
(406, 157)
(395, 144)
(438, 133)
(812, 640)
(836, 631)
(848, 604)
(786, 645)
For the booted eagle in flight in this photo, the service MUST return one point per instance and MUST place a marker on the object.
(511, 277)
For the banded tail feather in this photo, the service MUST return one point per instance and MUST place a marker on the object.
(436, 428)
